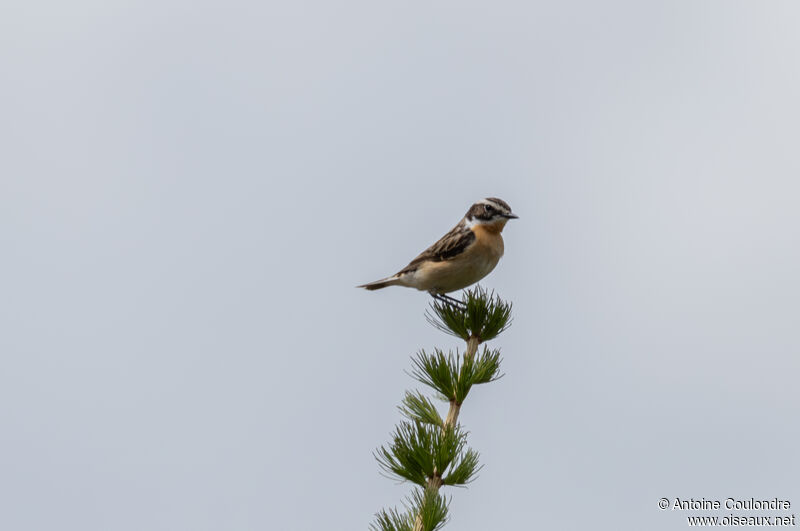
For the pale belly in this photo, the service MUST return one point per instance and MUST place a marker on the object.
(452, 275)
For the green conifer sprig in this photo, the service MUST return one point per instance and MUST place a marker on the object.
(464, 469)
(420, 451)
(438, 371)
(418, 407)
(484, 368)
(426, 449)
(484, 315)
(452, 375)
(429, 504)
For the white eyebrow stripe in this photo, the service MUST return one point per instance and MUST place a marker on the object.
(497, 206)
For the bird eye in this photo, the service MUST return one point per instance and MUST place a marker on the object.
(487, 208)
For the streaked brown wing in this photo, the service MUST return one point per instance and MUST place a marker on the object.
(450, 245)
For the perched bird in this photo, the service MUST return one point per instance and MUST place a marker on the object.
(463, 256)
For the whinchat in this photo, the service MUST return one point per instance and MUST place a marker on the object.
(463, 256)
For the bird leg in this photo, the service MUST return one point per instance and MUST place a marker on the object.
(441, 297)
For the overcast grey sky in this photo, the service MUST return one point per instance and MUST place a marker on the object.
(189, 192)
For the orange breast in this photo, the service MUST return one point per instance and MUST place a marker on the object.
(488, 239)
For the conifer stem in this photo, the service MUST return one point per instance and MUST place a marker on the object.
(455, 408)
(435, 482)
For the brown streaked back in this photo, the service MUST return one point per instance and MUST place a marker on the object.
(450, 245)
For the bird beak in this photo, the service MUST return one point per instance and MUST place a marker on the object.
(512, 216)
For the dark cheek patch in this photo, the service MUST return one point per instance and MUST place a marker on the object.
(478, 211)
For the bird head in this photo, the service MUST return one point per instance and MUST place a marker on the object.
(491, 212)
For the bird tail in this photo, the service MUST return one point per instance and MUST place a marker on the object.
(382, 283)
